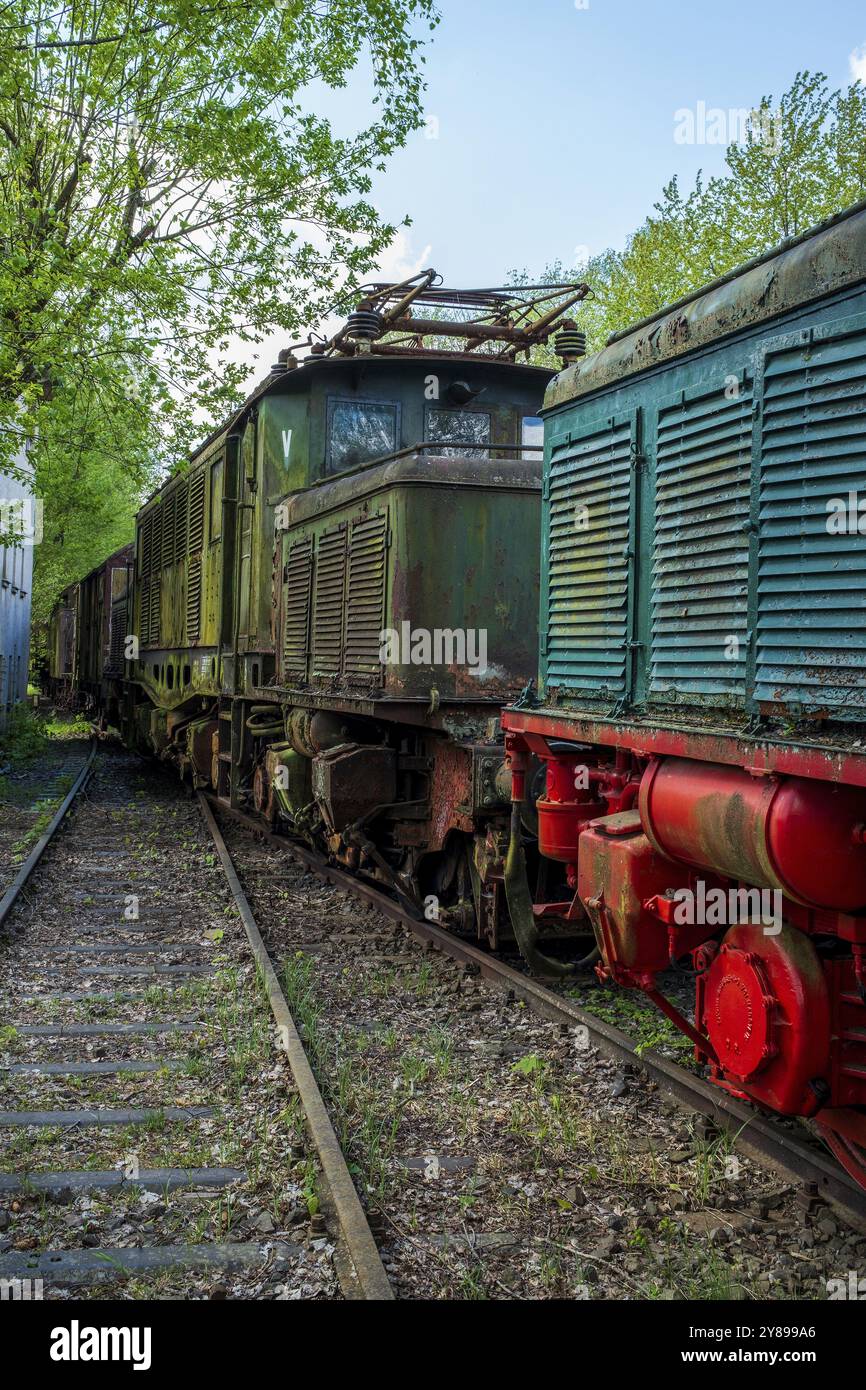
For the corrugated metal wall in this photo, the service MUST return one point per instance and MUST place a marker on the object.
(811, 630)
(16, 583)
(700, 574)
(589, 493)
(171, 539)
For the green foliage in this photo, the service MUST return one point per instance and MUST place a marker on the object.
(27, 735)
(168, 187)
(802, 159)
(94, 460)
(23, 736)
(530, 1065)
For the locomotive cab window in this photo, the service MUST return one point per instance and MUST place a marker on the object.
(359, 431)
(462, 433)
(216, 500)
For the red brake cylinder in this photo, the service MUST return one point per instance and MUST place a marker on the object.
(565, 809)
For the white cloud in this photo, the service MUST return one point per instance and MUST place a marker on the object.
(398, 263)
(857, 64)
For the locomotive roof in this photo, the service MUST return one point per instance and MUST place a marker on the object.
(824, 260)
(299, 377)
(496, 324)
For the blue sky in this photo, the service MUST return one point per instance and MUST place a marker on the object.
(556, 124)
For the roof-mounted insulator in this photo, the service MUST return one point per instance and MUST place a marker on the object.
(285, 362)
(570, 342)
(365, 325)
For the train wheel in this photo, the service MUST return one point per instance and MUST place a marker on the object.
(844, 1132)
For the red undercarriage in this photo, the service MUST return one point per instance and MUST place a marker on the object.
(749, 862)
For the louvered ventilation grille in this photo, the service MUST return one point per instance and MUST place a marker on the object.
(811, 618)
(118, 635)
(366, 598)
(144, 612)
(196, 512)
(587, 605)
(168, 531)
(296, 635)
(147, 545)
(193, 600)
(156, 555)
(330, 585)
(154, 584)
(180, 522)
(701, 558)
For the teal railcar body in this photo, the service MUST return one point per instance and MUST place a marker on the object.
(703, 663)
(703, 549)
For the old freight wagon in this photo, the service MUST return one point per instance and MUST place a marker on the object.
(702, 711)
(333, 601)
(61, 646)
(89, 638)
(102, 627)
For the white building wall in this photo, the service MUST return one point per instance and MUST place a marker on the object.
(17, 513)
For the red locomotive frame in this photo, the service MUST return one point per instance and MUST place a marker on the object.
(647, 819)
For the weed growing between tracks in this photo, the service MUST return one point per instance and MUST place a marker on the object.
(637, 1017)
(215, 1047)
(497, 1159)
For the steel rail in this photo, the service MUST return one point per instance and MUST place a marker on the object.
(759, 1136)
(360, 1245)
(359, 1242)
(13, 892)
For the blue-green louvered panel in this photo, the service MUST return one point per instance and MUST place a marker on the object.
(811, 653)
(701, 549)
(588, 576)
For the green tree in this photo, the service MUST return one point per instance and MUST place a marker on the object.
(95, 462)
(801, 159)
(168, 185)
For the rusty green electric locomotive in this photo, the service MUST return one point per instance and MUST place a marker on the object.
(335, 598)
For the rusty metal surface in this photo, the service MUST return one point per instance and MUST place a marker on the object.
(61, 636)
(450, 794)
(93, 626)
(832, 260)
(519, 316)
(762, 754)
(413, 469)
(363, 556)
(352, 781)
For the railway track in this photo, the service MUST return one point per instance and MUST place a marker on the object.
(787, 1147)
(579, 1155)
(155, 1142)
(505, 1142)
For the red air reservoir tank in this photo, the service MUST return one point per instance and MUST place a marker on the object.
(801, 836)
